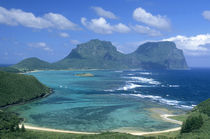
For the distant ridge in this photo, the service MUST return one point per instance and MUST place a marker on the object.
(32, 63)
(97, 54)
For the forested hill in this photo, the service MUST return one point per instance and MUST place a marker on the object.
(18, 88)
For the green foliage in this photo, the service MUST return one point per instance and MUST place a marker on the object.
(18, 88)
(9, 122)
(193, 122)
(197, 124)
(204, 107)
(29, 134)
(23, 128)
(9, 69)
(97, 54)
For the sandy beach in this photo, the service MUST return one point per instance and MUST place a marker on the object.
(55, 130)
(132, 132)
(164, 117)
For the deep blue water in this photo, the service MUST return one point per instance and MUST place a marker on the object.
(114, 99)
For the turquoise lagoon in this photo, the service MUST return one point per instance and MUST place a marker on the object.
(109, 100)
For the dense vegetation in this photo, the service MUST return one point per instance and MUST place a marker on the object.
(9, 122)
(9, 69)
(193, 122)
(97, 54)
(197, 124)
(17, 88)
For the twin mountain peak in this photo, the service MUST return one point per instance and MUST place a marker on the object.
(97, 54)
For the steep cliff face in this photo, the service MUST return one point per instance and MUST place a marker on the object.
(94, 54)
(97, 54)
(158, 55)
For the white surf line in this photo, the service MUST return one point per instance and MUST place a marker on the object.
(55, 130)
(153, 132)
(166, 117)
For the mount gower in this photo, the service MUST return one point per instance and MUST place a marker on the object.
(97, 54)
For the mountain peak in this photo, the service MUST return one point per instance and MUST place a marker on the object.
(156, 45)
(93, 48)
(96, 43)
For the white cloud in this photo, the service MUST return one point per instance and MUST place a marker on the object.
(41, 45)
(64, 34)
(74, 42)
(101, 12)
(101, 26)
(146, 30)
(145, 17)
(193, 45)
(206, 15)
(59, 21)
(16, 17)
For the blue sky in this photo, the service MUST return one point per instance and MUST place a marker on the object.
(49, 29)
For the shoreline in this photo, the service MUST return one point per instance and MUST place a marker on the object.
(56, 130)
(31, 100)
(132, 132)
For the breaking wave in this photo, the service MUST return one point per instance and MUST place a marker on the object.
(129, 86)
(176, 103)
(145, 73)
(145, 80)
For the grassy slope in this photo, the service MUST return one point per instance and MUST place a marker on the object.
(17, 88)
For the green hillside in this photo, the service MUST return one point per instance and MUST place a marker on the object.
(197, 124)
(32, 64)
(17, 88)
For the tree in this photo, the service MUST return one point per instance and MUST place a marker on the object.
(23, 128)
(192, 123)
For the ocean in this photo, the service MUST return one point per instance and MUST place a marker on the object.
(115, 99)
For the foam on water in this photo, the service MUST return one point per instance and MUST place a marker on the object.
(118, 71)
(129, 86)
(145, 73)
(145, 80)
(159, 99)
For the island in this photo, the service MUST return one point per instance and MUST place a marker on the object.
(84, 75)
(97, 54)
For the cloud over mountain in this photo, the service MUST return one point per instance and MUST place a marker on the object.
(147, 18)
(101, 26)
(193, 45)
(146, 30)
